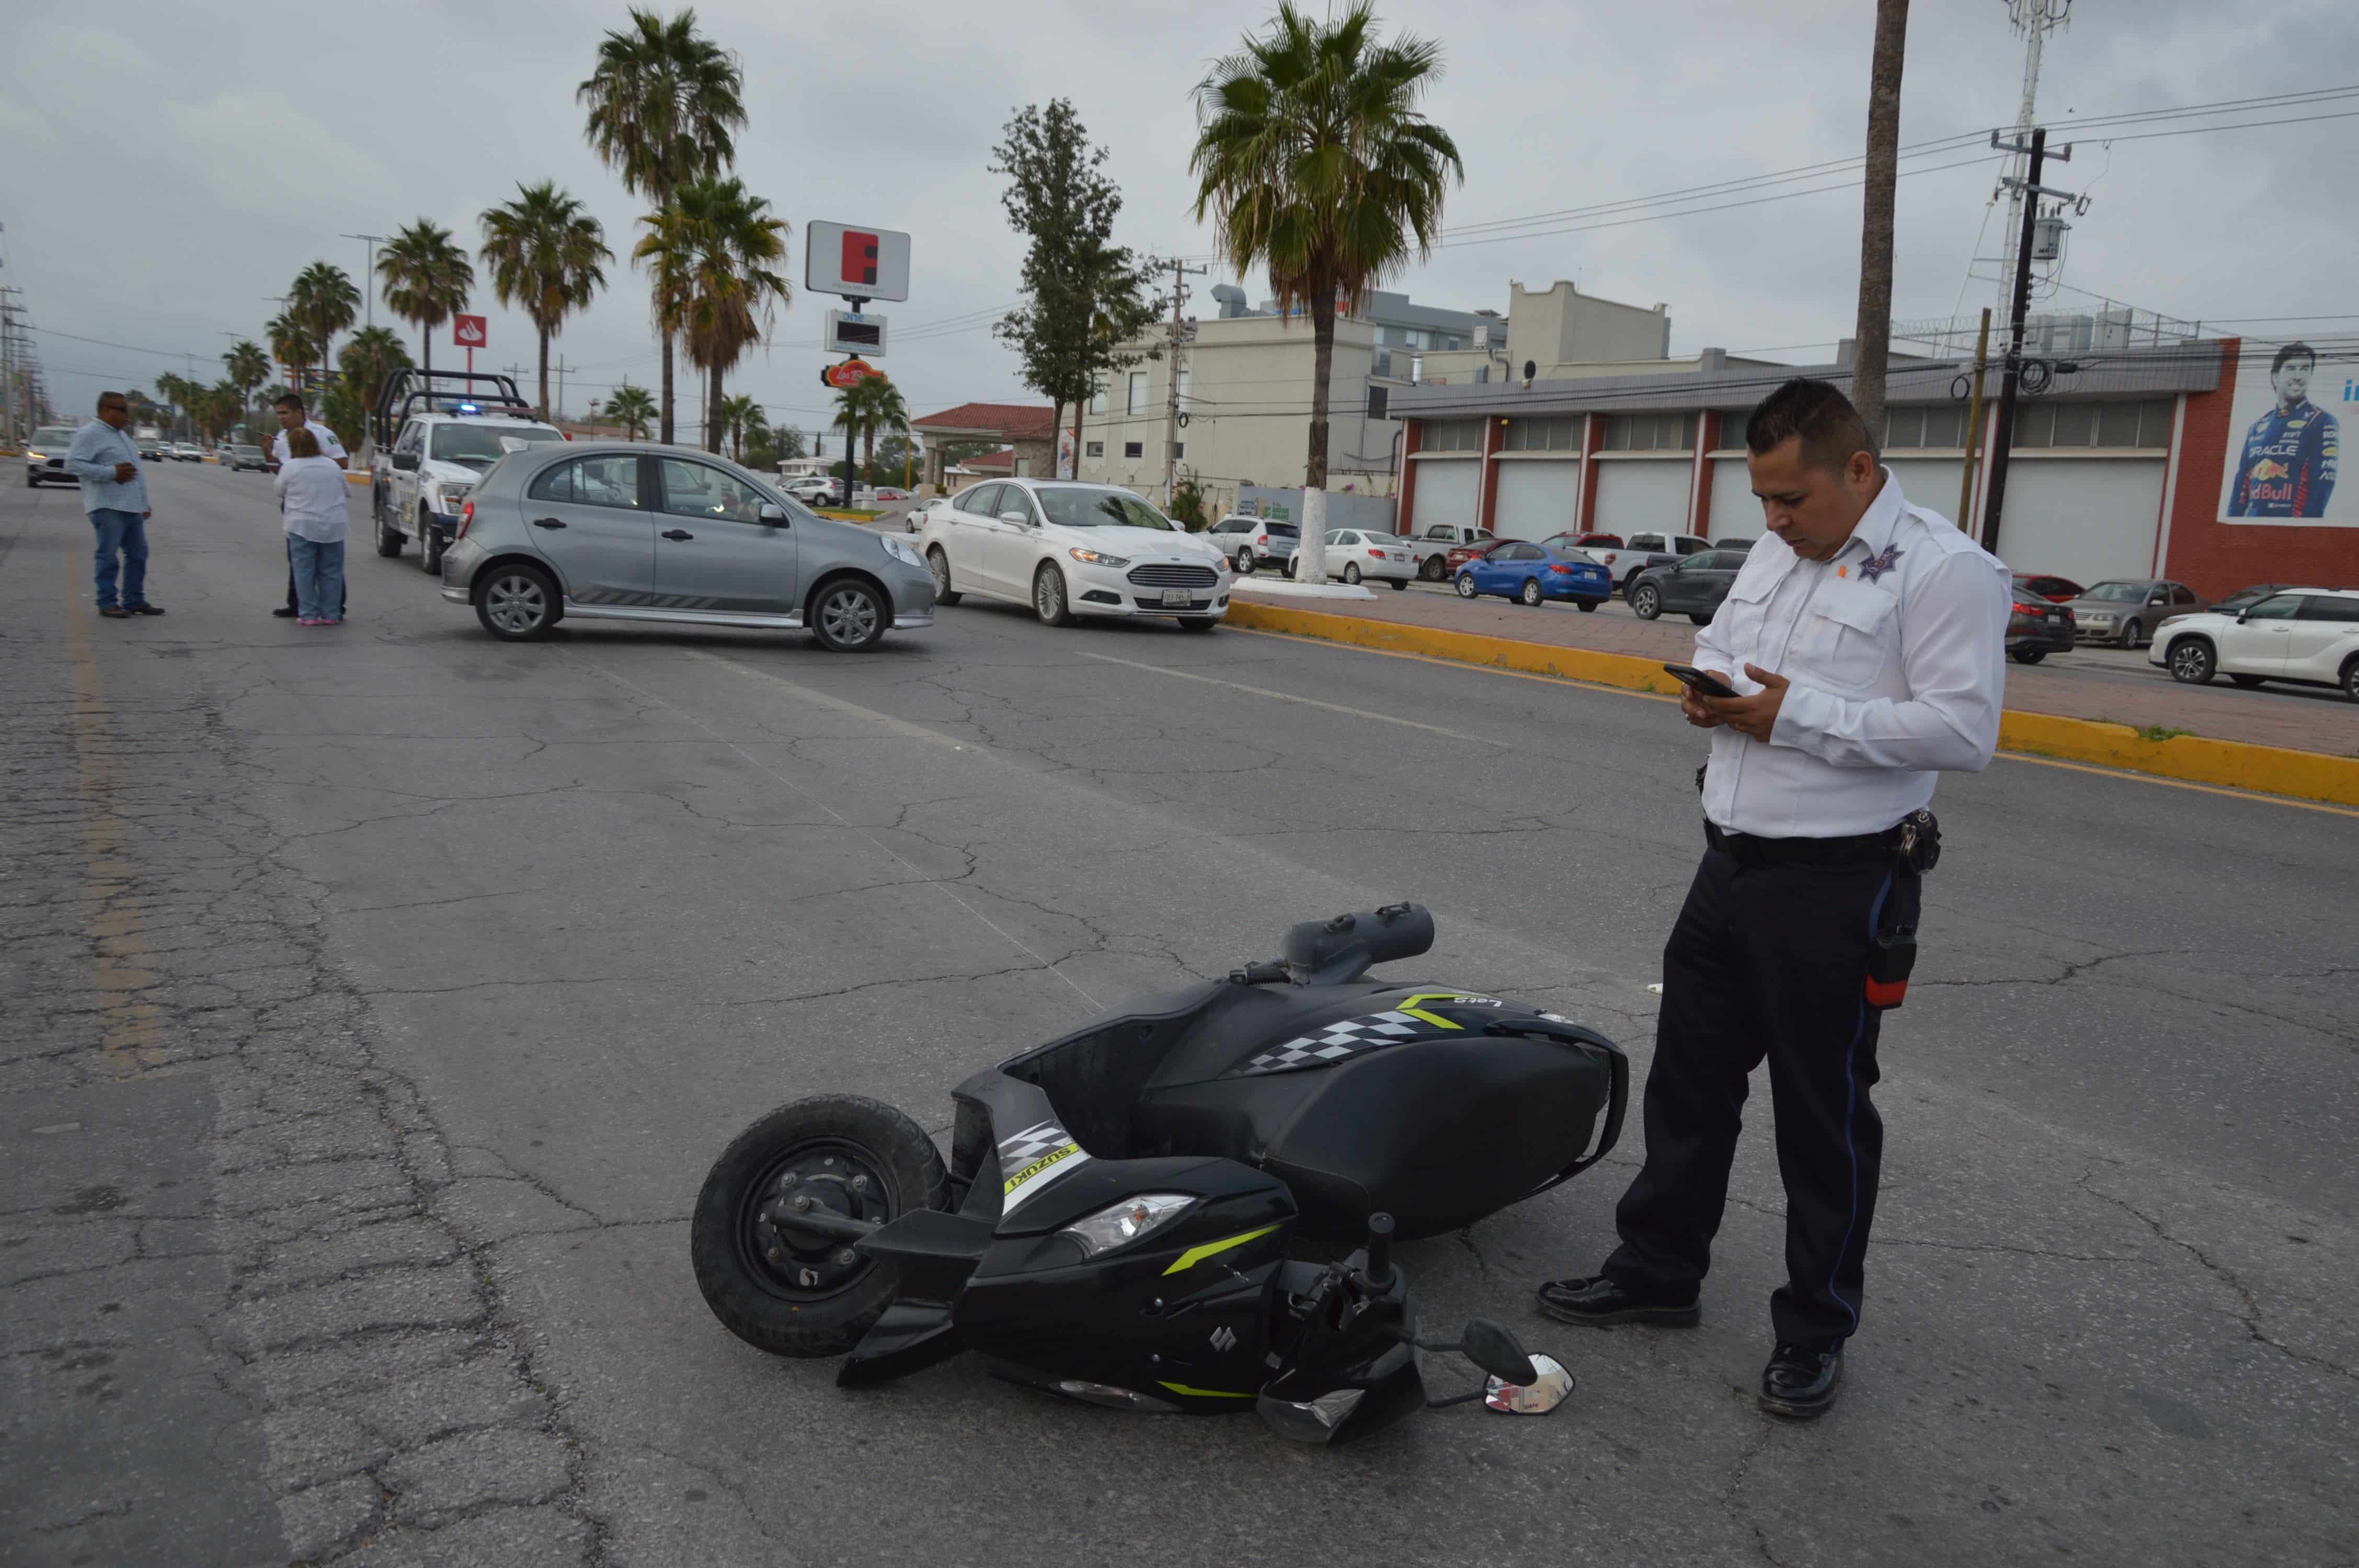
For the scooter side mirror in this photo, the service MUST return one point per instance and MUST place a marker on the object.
(1495, 1349)
(1549, 1388)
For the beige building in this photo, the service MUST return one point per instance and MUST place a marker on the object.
(1246, 378)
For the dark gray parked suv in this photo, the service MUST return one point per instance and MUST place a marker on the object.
(632, 532)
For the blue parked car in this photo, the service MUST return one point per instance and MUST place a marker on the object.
(1535, 574)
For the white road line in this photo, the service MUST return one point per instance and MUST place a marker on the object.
(1305, 701)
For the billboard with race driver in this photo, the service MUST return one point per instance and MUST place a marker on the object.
(2285, 435)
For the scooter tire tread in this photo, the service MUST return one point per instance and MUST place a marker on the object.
(831, 1326)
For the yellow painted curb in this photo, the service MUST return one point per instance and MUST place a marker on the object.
(2234, 765)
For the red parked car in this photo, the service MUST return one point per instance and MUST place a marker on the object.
(1462, 554)
(2054, 590)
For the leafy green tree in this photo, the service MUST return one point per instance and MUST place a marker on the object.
(249, 367)
(1186, 507)
(664, 102)
(426, 279)
(547, 255)
(631, 408)
(1315, 163)
(867, 406)
(713, 253)
(897, 461)
(324, 300)
(1087, 300)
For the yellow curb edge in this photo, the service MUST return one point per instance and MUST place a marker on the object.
(2236, 764)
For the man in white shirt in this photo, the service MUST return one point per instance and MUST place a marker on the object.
(291, 413)
(1865, 640)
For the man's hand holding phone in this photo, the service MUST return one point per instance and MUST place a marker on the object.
(1710, 701)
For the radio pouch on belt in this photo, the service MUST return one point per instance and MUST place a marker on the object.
(1889, 958)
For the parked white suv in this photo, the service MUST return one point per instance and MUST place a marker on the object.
(2306, 635)
(1070, 550)
(1248, 541)
(419, 486)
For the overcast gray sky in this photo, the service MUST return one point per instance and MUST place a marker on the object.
(170, 165)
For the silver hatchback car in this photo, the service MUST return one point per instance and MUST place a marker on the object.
(629, 531)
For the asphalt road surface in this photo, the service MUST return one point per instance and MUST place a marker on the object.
(376, 998)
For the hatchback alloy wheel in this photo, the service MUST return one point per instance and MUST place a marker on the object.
(1646, 601)
(518, 604)
(1465, 585)
(850, 617)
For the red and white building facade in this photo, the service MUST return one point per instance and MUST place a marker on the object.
(2117, 469)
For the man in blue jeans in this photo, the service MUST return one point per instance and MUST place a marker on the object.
(115, 494)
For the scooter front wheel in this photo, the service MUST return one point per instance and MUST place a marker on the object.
(797, 1288)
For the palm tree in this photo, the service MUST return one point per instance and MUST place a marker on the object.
(291, 344)
(545, 253)
(711, 251)
(877, 405)
(1872, 336)
(367, 357)
(662, 104)
(323, 298)
(739, 414)
(248, 368)
(631, 408)
(1313, 158)
(426, 279)
(174, 390)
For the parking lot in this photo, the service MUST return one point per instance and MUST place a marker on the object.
(381, 993)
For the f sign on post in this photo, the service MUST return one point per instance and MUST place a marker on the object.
(859, 256)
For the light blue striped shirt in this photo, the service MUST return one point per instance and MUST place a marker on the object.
(97, 448)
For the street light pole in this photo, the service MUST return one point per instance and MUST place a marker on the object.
(2011, 384)
(369, 272)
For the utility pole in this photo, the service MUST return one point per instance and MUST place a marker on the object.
(1179, 274)
(2010, 386)
(368, 271)
(561, 388)
(1974, 422)
(2035, 19)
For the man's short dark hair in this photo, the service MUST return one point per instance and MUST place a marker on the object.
(2292, 352)
(107, 398)
(289, 400)
(1815, 413)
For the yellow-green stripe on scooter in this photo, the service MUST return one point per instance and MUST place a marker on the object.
(1206, 1393)
(1195, 1255)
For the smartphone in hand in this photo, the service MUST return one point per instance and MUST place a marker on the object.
(1700, 681)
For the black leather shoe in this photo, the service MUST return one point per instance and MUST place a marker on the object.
(145, 608)
(284, 612)
(1798, 1383)
(1599, 1303)
(114, 612)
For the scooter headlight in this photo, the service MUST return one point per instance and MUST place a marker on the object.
(1127, 1221)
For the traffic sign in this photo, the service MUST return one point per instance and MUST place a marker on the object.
(467, 332)
(849, 374)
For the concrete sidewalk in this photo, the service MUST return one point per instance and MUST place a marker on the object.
(2091, 684)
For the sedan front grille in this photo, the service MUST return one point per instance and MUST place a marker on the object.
(1153, 576)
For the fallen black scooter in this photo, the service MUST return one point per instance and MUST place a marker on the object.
(1124, 1210)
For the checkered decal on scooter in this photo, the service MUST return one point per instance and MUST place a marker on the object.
(1023, 1148)
(1335, 1042)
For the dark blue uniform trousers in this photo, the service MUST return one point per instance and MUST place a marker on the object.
(1766, 962)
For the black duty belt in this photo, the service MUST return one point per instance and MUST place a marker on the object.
(1749, 850)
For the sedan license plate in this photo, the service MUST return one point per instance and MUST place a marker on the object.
(1174, 598)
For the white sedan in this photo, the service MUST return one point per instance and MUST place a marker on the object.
(1355, 553)
(1070, 550)
(2306, 635)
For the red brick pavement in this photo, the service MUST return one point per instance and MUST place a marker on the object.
(2100, 683)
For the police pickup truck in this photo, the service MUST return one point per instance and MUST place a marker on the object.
(437, 434)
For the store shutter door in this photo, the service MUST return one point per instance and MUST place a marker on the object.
(1537, 497)
(1445, 493)
(1647, 496)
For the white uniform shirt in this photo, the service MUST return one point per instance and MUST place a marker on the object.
(1897, 652)
(311, 493)
(329, 445)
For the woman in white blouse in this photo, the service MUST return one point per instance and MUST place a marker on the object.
(311, 496)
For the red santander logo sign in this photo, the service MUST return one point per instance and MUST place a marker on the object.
(467, 332)
(850, 373)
